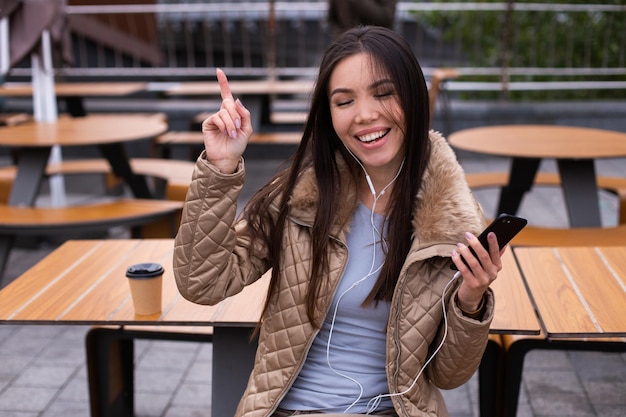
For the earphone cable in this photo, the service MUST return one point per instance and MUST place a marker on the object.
(374, 402)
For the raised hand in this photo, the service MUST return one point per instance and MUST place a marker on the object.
(226, 132)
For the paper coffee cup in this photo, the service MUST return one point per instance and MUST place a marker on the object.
(146, 282)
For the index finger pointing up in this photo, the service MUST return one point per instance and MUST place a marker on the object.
(224, 87)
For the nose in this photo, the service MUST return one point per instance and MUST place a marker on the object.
(366, 112)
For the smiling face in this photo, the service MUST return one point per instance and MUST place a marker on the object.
(366, 115)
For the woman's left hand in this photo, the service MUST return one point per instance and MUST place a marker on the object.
(483, 269)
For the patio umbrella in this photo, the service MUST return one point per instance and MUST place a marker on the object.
(34, 27)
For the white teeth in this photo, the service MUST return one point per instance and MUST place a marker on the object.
(372, 136)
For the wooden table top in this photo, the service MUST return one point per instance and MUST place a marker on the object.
(95, 129)
(71, 89)
(252, 87)
(578, 291)
(514, 312)
(83, 282)
(541, 141)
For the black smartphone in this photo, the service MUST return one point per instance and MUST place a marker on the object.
(505, 226)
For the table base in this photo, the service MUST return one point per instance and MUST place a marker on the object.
(578, 181)
(110, 366)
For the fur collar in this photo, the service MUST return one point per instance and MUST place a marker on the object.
(445, 210)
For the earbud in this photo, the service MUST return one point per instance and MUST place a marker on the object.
(369, 182)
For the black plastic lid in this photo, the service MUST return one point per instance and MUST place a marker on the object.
(145, 270)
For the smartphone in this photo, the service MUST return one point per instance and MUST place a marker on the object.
(505, 226)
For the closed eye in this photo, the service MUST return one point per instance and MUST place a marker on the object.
(385, 94)
(341, 103)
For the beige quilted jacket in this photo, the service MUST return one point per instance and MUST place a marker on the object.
(212, 261)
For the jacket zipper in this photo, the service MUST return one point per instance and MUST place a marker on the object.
(314, 335)
(396, 339)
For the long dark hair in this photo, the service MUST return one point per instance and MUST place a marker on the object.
(321, 148)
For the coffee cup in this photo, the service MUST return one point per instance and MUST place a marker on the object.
(146, 282)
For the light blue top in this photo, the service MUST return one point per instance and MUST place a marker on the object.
(345, 374)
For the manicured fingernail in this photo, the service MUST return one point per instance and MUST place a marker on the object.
(459, 245)
(233, 134)
(454, 253)
(238, 123)
(468, 235)
(239, 103)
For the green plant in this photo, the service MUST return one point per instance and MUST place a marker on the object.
(576, 41)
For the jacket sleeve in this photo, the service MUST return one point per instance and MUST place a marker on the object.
(464, 345)
(212, 257)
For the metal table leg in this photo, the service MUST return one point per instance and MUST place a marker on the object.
(578, 180)
(523, 171)
(233, 359)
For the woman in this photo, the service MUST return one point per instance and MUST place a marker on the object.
(364, 314)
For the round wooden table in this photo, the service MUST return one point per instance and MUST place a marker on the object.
(574, 148)
(108, 132)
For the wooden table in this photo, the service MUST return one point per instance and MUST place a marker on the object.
(514, 313)
(254, 94)
(579, 292)
(109, 132)
(83, 282)
(574, 148)
(74, 92)
(580, 297)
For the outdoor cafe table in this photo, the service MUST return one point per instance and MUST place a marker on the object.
(574, 148)
(74, 92)
(579, 292)
(109, 132)
(83, 282)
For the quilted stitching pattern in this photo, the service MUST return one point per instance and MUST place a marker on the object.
(211, 263)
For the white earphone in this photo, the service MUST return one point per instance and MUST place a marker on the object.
(375, 401)
(373, 270)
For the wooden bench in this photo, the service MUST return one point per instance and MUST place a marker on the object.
(575, 236)
(193, 140)
(175, 174)
(289, 118)
(294, 118)
(614, 185)
(12, 119)
(15, 220)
